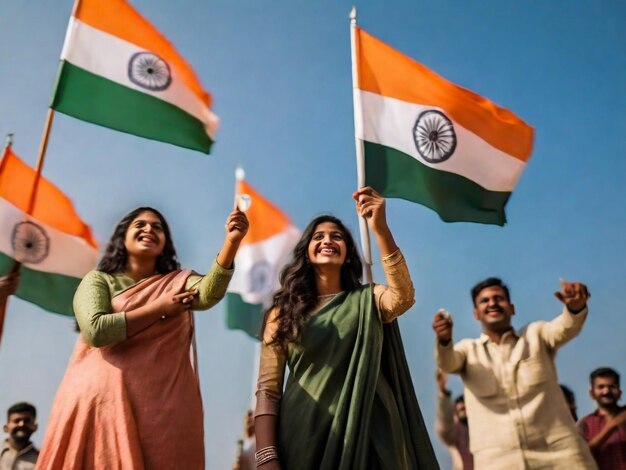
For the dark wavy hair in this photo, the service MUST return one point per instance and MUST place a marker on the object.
(297, 295)
(115, 256)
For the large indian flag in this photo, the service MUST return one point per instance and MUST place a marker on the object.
(262, 254)
(118, 71)
(430, 141)
(54, 246)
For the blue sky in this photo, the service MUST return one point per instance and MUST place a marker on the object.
(280, 76)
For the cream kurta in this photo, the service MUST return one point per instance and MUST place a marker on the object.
(517, 415)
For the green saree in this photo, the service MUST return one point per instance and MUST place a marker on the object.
(349, 403)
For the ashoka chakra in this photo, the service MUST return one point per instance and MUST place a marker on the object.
(149, 71)
(434, 136)
(30, 243)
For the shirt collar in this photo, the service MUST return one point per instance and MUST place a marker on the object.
(484, 339)
(6, 446)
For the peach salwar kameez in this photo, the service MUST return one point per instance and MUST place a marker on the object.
(131, 405)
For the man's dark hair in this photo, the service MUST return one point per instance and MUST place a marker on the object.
(490, 282)
(459, 399)
(604, 372)
(22, 407)
(568, 394)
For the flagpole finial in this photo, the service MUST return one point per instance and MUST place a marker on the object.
(240, 174)
(353, 15)
(9, 140)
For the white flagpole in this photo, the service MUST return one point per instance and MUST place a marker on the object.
(360, 161)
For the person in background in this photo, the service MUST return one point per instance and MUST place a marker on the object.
(247, 445)
(18, 452)
(451, 425)
(605, 428)
(517, 416)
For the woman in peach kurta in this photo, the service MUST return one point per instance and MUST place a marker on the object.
(130, 398)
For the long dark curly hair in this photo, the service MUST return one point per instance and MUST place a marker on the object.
(297, 295)
(115, 255)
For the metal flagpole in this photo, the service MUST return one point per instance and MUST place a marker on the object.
(360, 161)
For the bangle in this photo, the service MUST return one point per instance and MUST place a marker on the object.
(265, 455)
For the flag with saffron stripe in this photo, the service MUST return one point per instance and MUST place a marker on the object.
(54, 246)
(430, 141)
(262, 254)
(118, 71)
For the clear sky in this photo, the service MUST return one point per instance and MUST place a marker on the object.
(280, 75)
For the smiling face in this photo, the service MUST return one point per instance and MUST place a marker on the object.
(145, 237)
(20, 426)
(327, 246)
(605, 391)
(493, 309)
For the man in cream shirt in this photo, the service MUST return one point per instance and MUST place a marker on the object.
(518, 418)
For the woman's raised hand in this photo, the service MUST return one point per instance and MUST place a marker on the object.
(371, 205)
(236, 226)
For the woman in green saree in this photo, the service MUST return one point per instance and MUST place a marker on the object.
(349, 403)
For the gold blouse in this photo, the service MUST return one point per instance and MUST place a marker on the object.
(391, 300)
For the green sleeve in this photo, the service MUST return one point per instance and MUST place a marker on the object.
(92, 307)
(211, 287)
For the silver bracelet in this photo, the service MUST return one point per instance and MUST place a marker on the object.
(265, 455)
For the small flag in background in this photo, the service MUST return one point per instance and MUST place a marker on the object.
(262, 254)
(430, 141)
(118, 71)
(56, 248)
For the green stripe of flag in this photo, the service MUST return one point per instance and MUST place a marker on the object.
(243, 316)
(95, 99)
(455, 198)
(50, 291)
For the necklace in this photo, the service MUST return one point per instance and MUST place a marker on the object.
(324, 299)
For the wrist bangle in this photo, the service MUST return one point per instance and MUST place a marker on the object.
(265, 455)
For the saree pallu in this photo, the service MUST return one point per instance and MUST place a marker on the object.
(349, 403)
(132, 405)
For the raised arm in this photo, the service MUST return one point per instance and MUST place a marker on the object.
(444, 422)
(236, 228)
(399, 295)
(269, 391)
(449, 358)
(574, 296)
(210, 288)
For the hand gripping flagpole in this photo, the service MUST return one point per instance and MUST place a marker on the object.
(360, 161)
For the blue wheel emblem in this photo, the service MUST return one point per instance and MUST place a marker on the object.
(30, 243)
(434, 136)
(149, 71)
(260, 278)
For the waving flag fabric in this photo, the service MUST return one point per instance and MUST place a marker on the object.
(430, 141)
(262, 254)
(118, 71)
(56, 248)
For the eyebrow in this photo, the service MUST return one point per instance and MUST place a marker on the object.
(332, 232)
(144, 221)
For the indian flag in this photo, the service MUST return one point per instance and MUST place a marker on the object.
(54, 246)
(118, 71)
(262, 254)
(430, 141)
